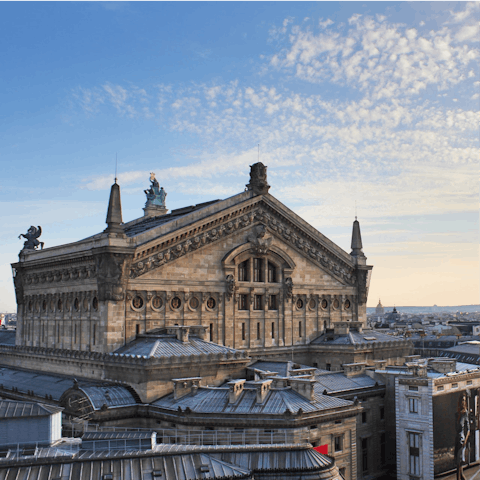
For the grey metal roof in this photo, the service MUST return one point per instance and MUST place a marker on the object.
(117, 435)
(177, 462)
(7, 337)
(277, 401)
(16, 409)
(284, 369)
(338, 382)
(187, 466)
(109, 395)
(42, 384)
(355, 338)
(133, 229)
(170, 346)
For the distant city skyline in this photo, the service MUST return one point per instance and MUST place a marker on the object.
(367, 109)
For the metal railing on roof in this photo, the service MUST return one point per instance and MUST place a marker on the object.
(209, 437)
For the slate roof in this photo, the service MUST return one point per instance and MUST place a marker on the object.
(132, 229)
(17, 409)
(170, 346)
(356, 338)
(216, 400)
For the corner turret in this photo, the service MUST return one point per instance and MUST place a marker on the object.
(114, 214)
(356, 240)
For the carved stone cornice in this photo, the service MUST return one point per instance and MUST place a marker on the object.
(175, 246)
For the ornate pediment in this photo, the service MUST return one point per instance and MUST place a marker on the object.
(266, 221)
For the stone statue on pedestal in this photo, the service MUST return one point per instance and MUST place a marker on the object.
(32, 234)
(156, 195)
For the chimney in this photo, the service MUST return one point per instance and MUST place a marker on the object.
(235, 388)
(341, 328)
(304, 372)
(263, 387)
(304, 387)
(182, 334)
(417, 369)
(114, 213)
(354, 369)
(443, 365)
(199, 330)
(184, 386)
(356, 240)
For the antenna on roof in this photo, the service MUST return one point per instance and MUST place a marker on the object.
(258, 152)
(355, 209)
(115, 167)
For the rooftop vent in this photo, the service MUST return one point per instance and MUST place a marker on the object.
(354, 369)
(263, 387)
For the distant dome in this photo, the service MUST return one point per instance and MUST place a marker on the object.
(379, 310)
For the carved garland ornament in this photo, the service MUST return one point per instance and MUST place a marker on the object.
(229, 227)
(75, 273)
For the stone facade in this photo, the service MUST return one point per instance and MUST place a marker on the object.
(247, 268)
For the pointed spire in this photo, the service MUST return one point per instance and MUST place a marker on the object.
(356, 240)
(114, 214)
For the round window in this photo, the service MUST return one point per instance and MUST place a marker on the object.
(336, 303)
(137, 302)
(30, 306)
(95, 303)
(299, 303)
(76, 304)
(44, 305)
(347, 304)
(176, 302)
(59, 304)
(324, 304)
(312, 304)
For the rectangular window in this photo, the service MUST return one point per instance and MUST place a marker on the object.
(272, 302)
(382, 448)
(272, 273)
(137, 329)
(243, 271)
(364, 417)
(75, 334)
(440, 388)
(414, 453)
(273, 329)
(58, 332)
(413, 389)
(94, 334)
(413, 405)
(454, 385)
(258, 302)
(299, 329)
(211, 332)
(365, 455)
(469, 382)
(258, 330)
(328, 367)
(243, 302)
(243, 331)
(258, 270)
(382, 413)
(338, 443)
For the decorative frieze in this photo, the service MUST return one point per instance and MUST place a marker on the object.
(168, 250)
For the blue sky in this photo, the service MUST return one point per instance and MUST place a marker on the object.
(369, 103)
